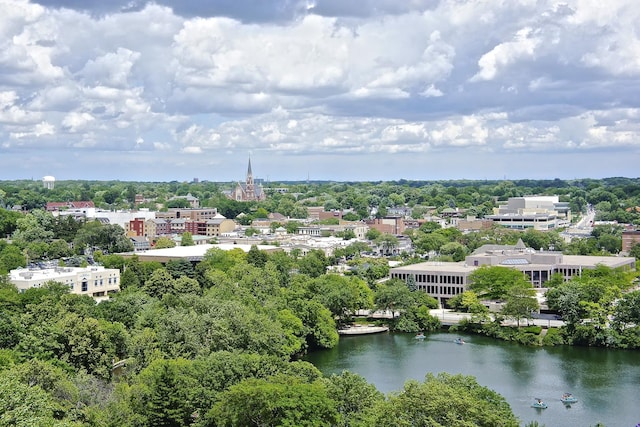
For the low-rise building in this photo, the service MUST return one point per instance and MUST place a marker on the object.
(630, 238)
(537, 212)
(387, 225)
(95, 281)
(140, 243)
(444, 280)
(202, 214)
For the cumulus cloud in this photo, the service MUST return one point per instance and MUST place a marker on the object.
(381, 81)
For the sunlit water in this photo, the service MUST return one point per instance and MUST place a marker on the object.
(606, 382)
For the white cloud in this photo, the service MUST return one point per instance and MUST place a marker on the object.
(383, 78)
(523, 46)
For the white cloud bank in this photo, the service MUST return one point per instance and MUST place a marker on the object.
(424, 89)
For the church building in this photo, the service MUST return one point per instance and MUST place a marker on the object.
(248, 190)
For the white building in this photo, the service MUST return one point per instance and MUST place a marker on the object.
(537, 212)
(95, 281)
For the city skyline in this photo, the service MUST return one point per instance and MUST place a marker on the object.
(321, 90)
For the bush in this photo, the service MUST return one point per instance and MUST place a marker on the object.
(532, 330)
(553, 337)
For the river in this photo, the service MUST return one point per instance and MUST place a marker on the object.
(606, 382)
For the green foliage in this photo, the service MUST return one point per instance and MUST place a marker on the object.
(22, 405)
(222, 260)
(163, 242)
(280, 400)
(443, 400)
(186, 239)
(8, 222)
(314, 264)
(494, 282)
(256, 257)
(553, 337)
(353, 395)
(342, 295)
(180, 267)
(521, 301)
(109, 238)
(162, 394)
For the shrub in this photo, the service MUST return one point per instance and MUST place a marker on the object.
(553, 337)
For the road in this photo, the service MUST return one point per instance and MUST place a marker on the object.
(449, 317)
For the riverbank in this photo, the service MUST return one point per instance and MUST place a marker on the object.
(449, 317)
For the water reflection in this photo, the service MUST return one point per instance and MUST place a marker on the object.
(606, 382)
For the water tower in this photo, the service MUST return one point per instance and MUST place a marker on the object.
(48, 182)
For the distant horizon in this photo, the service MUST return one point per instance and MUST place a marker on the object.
(312, 181)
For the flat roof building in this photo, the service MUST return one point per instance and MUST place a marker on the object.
(444, 280)
(191, 253)
(95, 281)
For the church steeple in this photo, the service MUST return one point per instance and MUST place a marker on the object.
(249, 187)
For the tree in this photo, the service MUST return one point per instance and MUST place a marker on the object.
(180, 267)
(342, 295)
(373, 234)
(314, 264)
(163, 242)
(164, 393)
(11, 257)
(443, 400)
(187, 239)
(627, 311)
(493, 282)
(521, 302)
(387, 243)
(393, 295)
(159, 284)
(251, 231)
(456, 250)
(354, 396)
(256, 257)
(280, 400)
(109, 238)
(8, 221)
(22, 405)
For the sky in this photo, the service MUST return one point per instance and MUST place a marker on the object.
(345, 90)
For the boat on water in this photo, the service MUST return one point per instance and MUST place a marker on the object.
(568, 398)
(458, 341)
(420, 336)
(539, 404)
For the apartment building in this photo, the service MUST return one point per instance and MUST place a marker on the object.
(95, 281)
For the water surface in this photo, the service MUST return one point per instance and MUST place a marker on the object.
(606, 382)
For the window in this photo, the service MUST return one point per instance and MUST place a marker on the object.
(85, 286)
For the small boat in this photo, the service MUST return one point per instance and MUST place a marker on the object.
(539, 404)
(568, 399)
(458, 341)
(420, 336)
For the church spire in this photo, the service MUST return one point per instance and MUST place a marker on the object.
(250, 190)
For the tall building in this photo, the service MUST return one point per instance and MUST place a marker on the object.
(248, 190)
